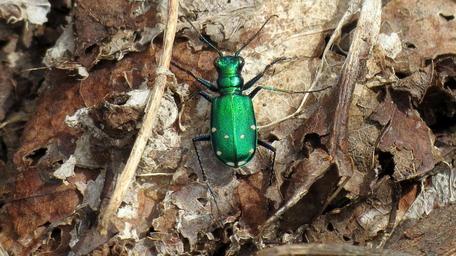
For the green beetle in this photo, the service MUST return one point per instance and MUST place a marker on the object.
(233, 130)
(233, 125)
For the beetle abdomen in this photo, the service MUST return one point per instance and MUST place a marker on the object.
(233, 129)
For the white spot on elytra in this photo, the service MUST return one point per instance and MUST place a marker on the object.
(242, 136)
(253, 127)
(226, 137)
(241, 162)
(251, 151)
(214, 129)
(219, 153)
(230, 163)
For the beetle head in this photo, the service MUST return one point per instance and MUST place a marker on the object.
(229, 71)
(229, 64)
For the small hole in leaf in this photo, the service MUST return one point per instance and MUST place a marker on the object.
(330, 227)
(218, 232)
(202, 200)
(447, 17)
(437, 109)
(36, 155)
(311, 142)
(123, 204)
(428, 62)
(222, 249)
(192, 176)
(313, 139)
(450, 83)
(402, 75)
(129, 244)
(229, 231)
(90, 49)
(3, 151)
(186, 243)
(386, 162)
(56, 234)
(3, 43)
(410, 45)
(57, 164)
(118, 99)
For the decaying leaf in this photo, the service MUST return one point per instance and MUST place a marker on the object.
(427, 30)
(413, 153)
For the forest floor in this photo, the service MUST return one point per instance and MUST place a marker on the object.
(365, 165)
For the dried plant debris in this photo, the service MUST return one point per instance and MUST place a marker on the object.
(31, 11)
(67, 128)
(427, 30)
(430, 235)
(6, 89)
(412, 154)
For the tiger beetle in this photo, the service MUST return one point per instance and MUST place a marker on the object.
(233, 130)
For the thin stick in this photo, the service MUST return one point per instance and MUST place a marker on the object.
(364, 38)
(325, 249)
(155, 174)
(352, 9)
(128, 173)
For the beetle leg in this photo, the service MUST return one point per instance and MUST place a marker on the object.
(271, 148)
(205, 137)
(257, 89)
(206, 96)
(260, 75)
(202, 81)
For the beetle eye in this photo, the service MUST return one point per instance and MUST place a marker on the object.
(241, 62)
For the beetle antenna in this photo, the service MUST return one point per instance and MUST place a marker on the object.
(202, 38)
(253, 37)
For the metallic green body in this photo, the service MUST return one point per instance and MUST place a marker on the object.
(233, 134)
(233, 125)
(233, 129)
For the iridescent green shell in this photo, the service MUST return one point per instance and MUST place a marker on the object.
(233, 129)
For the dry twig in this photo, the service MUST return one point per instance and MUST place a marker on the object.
(365, 36)
(325, 249)
(128, 173)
